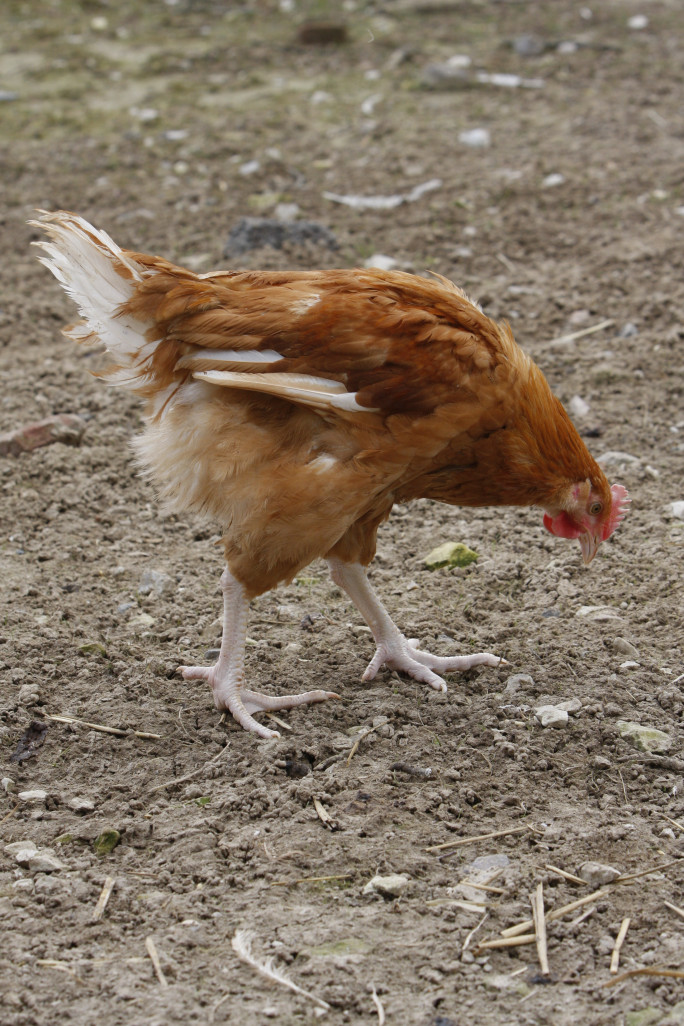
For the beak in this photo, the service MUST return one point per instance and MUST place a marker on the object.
(589, 544)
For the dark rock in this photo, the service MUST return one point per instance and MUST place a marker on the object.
(255, 232)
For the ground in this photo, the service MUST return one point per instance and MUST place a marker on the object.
(164, 123)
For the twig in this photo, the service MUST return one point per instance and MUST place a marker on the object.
(580, 919)
(562, 339)
(117, 731)
(651, 970)
(675, 908)
(242, 946)
(537, 898)
(619, 941)
(508, 942)
(472, 933)
(365, 733)
(154, 956)
(558, 913)
(310, 879)
(566, 876)
(673, 821)
(378, 1007)
(467, 906)
(105, 893)
(647, 872)
(324, 815)
(478, 837)
(280, 723)
(10, 813)
(189, 776)
(482, 887)
(624, 789)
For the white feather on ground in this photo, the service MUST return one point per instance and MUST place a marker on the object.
(242, 946)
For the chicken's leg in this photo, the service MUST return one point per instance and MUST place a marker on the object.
(394, 650)
(227, 676)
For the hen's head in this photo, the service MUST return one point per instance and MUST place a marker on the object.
(589, 512)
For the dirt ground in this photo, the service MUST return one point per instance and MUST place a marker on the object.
(164, 123)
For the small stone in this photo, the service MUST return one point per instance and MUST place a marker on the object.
(106, 842)
(450, 554)
(597, 874)
(617, 458)
(646, 739)
(28, 694)
(578, 407)
(445, 75)
(256, 232)
(389, 886)
(552, 180)
(81, 804)
(625, 647)
(157, 582)
(381, 261)
(647, 1016)
(8, 785)
(629, 664)
(598, 613)
(637, 22)
(142, 620)
(677, 510)
(475, 137)
(63, 427)
(628, 330)
(45, 862)
(572, 705)
(528, 45)
(600, 762)
(32, 796)
(518, 680)
(551, 716)
(22, 851)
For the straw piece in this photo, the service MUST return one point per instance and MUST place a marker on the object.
(566, 876)
(324, 815)
(619, 941)
(472, 933)
(508, 942)
(558, 913)
(651, 970)
(117, 731)
(675, 908)
(378, 1007)
(647, 872)
(154, 956)
(105, 893)
(537, 898)
(562, 339)
(478, 837)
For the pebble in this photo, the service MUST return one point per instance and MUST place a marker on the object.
(32, 796)
(81, 804)
(8, 785)
(677, 510)
(598, 613)
(28, 694)
(516, 681)
(646, 739)
(629, 664)
(154, 581)
(528, 45)
(45, 862)
(256, 232)
(625, 647)
(600, 762)
(578, 406)
(381, 261)
(552, 180)
(389, 886)
(475, 137)
(628, 330)
(616, 458)
(637, 22)
(22, 851)
(597, 873)
(63, 427)
(551, 716)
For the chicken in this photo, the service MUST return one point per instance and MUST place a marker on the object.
(295, 408)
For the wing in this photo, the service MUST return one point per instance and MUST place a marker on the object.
(346, 343)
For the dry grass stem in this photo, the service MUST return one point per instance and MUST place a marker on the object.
(242, 946)
(619, 941)
(190, 776)
(675, 908)
(467, 906)
(651, 970)
(355, 748)
(566, 876)
(562, 339)
(324, 815)
(672, 821)
(508, 942)
(10, 813)
(537, 899)
(477, 837)
(482, 887)
(472, 933)
(117, 731)
(310, 879)
(378, 1007)
(513, 931)
(580, 919)
(280, 723)
(105, 893)
(154, 957)
(647, 872)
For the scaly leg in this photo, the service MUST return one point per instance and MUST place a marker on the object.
(227, 676)
(394, 650)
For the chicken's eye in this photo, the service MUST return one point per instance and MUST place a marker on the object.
(596, 508)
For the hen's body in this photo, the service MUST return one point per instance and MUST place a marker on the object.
(296, 408)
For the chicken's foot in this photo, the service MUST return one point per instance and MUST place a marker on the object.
(227, 676)
(394, 650)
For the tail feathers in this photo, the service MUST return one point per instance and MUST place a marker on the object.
(100, 278)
